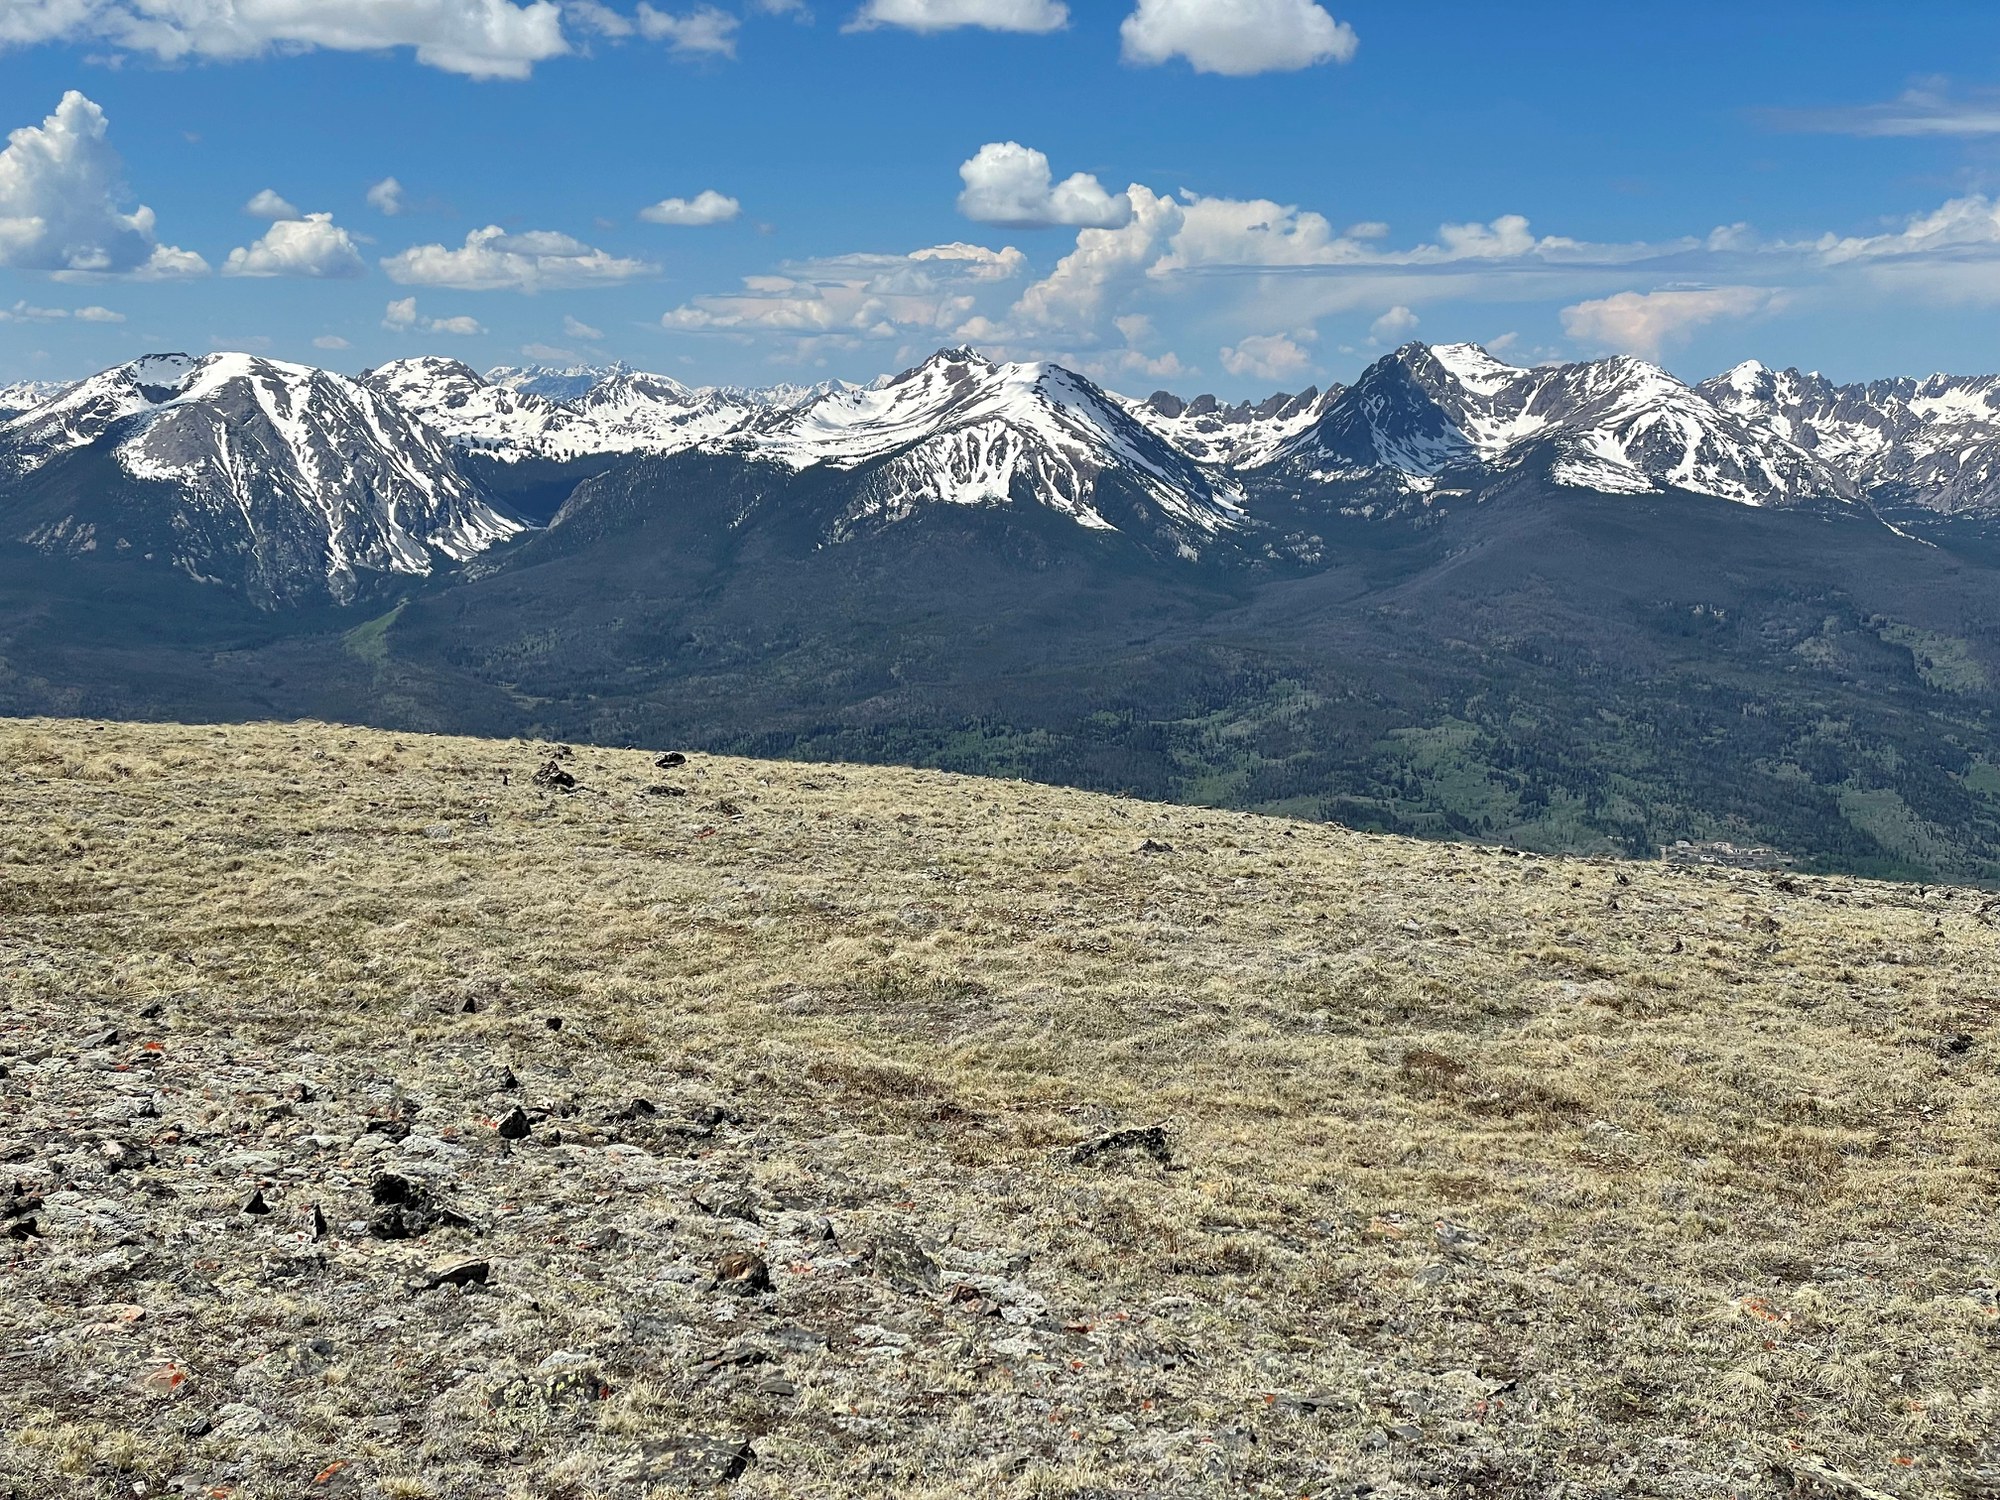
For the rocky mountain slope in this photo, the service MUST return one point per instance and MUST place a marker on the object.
(1454, 416)
(962, 430)
(287, 482)
(1929, 445)
(827, 1130)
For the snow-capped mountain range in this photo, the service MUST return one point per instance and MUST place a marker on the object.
(509, 418)
(304, 483)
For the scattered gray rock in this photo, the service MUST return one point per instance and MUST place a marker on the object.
(698, 1462)
(902, 1262)
(1151, 1140)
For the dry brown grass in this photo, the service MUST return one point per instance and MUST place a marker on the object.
(1533, 1176)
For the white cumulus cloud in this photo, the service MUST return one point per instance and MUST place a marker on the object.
(1077, 293)
(402, 317)
(60, 186)
(1269, 356)
(944, 15)
(1394, 326)
(331, 341)
(1251, 232)
(1236, 37)
(706, 207)
(270, 204)
(1645, 322)
(576, 328)
(704, 31)
(1011, 185)
(313, 246)
(386, 197)
(479, 38)
(491, 259)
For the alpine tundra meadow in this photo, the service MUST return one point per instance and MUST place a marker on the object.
(1044, 749)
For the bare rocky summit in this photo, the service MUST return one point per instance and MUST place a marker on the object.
(378, 1119)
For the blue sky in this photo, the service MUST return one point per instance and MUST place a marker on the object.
(1272, 192)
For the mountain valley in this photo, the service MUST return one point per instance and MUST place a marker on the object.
(1584, 607)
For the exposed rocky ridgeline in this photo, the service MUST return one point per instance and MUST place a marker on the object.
(376, 1121)
(1245, 435)
(1929, 445)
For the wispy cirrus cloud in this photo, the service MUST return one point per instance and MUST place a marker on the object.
(1927, 109)
(1032, 16)
(477, 38)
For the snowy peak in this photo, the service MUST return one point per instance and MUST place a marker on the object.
(458, 402)
(292, 480)
(1469, 366)
(87, 410)
(1622, 424)
(1751, 379)
(961, 429)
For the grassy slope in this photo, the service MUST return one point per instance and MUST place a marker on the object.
(1527, 1172)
